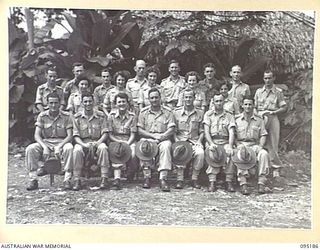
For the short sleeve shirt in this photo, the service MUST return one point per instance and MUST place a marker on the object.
(54, 127)
(156, 122)
(171, 88)
(134, 86)
(121, 127)
(219, 125)
(90, 128)
(99, 94)
(189, 126)
(70, 87)
(230, 105)
(239, 91)
(110, 97)
(210, 88)
(250, 130)
(269, 99)
(199, 101)
(43, 91)
(75, 102)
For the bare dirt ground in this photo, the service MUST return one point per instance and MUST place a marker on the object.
(287, 205)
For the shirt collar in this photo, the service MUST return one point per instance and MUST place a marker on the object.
(46, 86)
(185, 112)
(117, 114)
(95, 114)
(252, 117)
(179, 78)
(272, 89)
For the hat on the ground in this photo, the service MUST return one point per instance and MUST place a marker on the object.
(146, 149)
(52, 165)
(181, 152)
(119, 152)
(216, 156)
(244, 157)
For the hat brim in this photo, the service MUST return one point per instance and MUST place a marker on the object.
(213, 163)
(141, 156)
(244, 165)
(186, 157)
(124, 158)
(52, 166)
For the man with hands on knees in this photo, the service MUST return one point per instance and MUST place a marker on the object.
(156, 123)
(219, 127)
(53, 135)
(90, 134)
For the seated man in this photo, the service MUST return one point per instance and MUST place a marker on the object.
(251, 132)
(189, 128)
(53, 135)
(45, 89)
(122, 127)
(219, 130)
(90, 134)
(157, 123)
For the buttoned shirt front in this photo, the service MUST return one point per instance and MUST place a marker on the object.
(230, 105)
(239, 91)
(219, 125)
(199, 101)
(121, 126)
(54, 127)
(100, 92)
(189, 125)
(144, 94)
(134, 86)
(109, 99)
(90, 128)
(172, 88)
(250, 130)
(269, 99)
(44, 90)
(156, 121)
(75, 102)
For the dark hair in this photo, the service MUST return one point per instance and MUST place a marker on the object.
(106, 70)
(216, 94)
(154, 69)
(154, 90)
(82, 78)
(237, 65)
(86, 94)
(189, 90)
(121, 95)
(120, 73)
(77, 64)
(173, 61)
(248, 97)
(192, 73)
(229, 86)
(53, 95)
(208, 65)
(268, 71)
(52, 68)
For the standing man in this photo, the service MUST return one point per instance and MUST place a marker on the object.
(122, 127)
(90, 134)
(156, 123)
(270, 103)
(47, 88)
(251, 132)
(139, 81)
(101, 90)
(219, 127)
(189, 128)
(53, 136)
(239, 89)
(172, 85)
(71, 87)
(209, 85)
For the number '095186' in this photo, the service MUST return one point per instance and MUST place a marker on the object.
(309, 246)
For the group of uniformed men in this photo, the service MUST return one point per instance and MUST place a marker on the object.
(141, 124)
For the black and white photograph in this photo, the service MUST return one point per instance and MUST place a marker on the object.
(172, 118)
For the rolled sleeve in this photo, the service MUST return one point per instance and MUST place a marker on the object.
(39, 122)
(38, 97)
(171, 122)
(141, 121)
(76, 131)
(206, 119)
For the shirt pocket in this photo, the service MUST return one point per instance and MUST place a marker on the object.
(161, 126)
(241, 133)
(61, 129)
(84, 130)
(96, 130)
(255, 132)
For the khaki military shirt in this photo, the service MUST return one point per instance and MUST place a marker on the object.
(239, 91)
(43, 91)
(109, 99)
(172, 88)
(99, 94)
(144, 94)
(189, 126)
(156, 122)
(90, 128)
(54, 127)
(250, 131)
(134, 86)
(75, 102)
(70, 87)
(230, 105)
(269, 99)
(199, 101)
(210, 88)
(122, 126)
(219, 125)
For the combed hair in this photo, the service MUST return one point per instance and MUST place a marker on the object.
(192, 73)
(86, 94)
(121, 95)
(189, 90)
(208, 65)
(154, 69)
(154, 90)
(53, 95)
(77, 64)
(106, 70)
(82, 78)
(52, 68)
(174, 61)
(120, 73)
